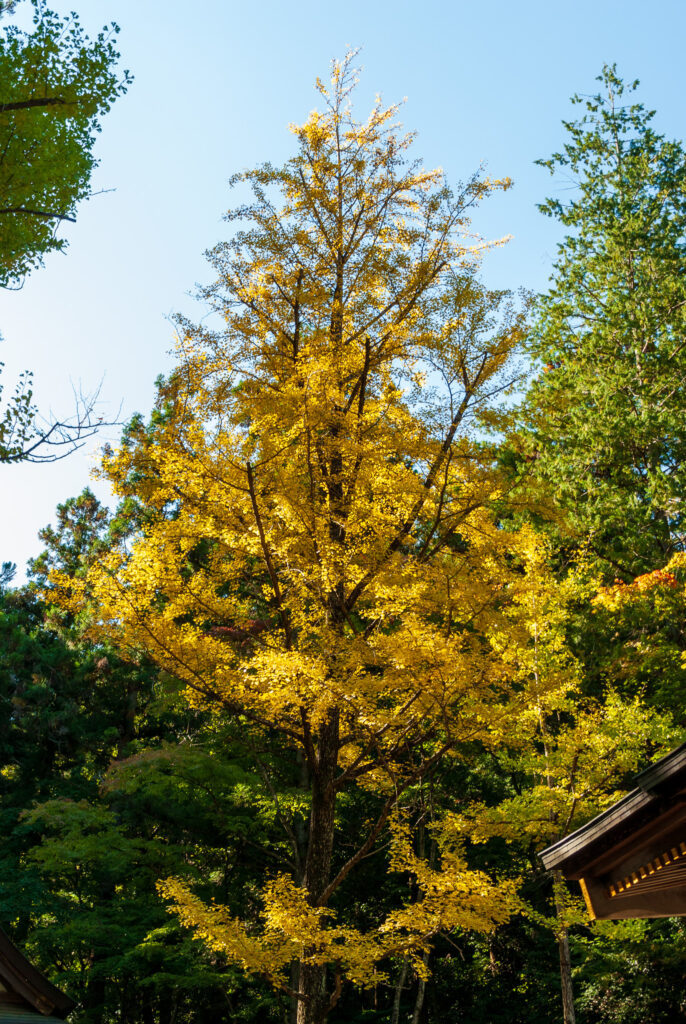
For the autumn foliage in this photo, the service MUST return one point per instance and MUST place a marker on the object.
(320, 472)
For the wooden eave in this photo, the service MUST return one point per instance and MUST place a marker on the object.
(660, 792)
(631, 859)
(21, 977)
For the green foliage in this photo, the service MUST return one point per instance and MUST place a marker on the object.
(597, 463)
(600, 451)
(17, 419)
(98, 799)
(639, 645)
(108, 782)
(607, 412)
(56, 85)
(75, 539)
(631, 972)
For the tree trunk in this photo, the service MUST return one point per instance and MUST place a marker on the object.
(421, 992)
(314, 1003)
(568, 1014)
(294, 984)
(94, 1001)
(395, 1015)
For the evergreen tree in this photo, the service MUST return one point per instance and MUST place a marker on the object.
(106, 781)
(603, 439)
(607, 412)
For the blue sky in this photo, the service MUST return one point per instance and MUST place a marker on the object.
(216, 85)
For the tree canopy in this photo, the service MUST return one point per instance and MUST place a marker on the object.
(56, 84)
(319, 555)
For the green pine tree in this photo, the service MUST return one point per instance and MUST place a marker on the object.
(607, 412)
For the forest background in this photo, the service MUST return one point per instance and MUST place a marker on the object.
(108, 768)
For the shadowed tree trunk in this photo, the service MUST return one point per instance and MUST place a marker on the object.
(314, 1003)
(568, 1014)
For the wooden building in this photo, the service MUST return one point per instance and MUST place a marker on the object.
(26, 997)
(631, 860)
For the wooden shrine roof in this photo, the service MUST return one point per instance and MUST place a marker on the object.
(631, 859)
(20, 1015)
(25, 994)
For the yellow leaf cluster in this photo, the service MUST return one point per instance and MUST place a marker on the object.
(292, 929)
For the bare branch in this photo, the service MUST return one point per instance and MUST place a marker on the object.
(57, 438)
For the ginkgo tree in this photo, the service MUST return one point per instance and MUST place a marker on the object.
(318, 555)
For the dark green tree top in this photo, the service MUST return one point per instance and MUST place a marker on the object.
(608, 409)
